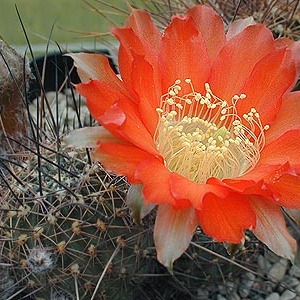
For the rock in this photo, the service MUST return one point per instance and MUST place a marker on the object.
(222, 289)
(220, 297)
(229, 287)
(14, 78)
(295, 271)
(246, 285)
(234, 296)
(263, 263)
(290, 282)
(273, 296)
(288, 295)
(202, 294)
(278, 270)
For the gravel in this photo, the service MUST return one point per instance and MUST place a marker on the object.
(275, 279)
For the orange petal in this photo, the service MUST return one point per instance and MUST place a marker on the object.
(282, 150)
(146, 83)
(114, 115)
(138, 36)
(287, 117)
(225, 219)
(266, 85)
(278, 183)
(129, 42)
(287, 188)
(96, 66)
(117, 113)
(121, 159)
(99, 95)
(155, 178)
(239, 185)
(89, 137)
(237, 59)
(211, 26)
(271, 228)
(261, 171)
(143, 26)
(238, 26)
(291, 45)
(173, 232)
(185, 189)
(181, 44)
(134, 130)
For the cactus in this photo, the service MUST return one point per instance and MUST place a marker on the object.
(6, 284)
(60, 233)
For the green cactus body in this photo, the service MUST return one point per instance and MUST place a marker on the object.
(62, 240)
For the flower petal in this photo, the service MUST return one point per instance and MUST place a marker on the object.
(238, 26)
(96, 66)
(134, 130)
(138, 36)
(287, 117)
(287, 188)
(278, 183)
(181, 44)
(135, 201)
(211, 26)
(143, 26)
(129, 42)
(146, 83)
(184, 189)
(88, 137)
(237, 59)
(99, 95)
(293, 46)
(121, 159)
(117, 113)
(271, 228)
(282, 150)
(225, 219)
(173, 232)
(259, 172)
(155, 178)
(266, 85)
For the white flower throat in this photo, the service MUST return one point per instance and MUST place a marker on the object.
(202, 136)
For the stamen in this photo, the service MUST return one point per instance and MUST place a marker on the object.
(203, 136)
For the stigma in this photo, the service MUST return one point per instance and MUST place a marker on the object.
(202, 136)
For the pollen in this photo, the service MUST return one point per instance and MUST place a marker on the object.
(202, 136)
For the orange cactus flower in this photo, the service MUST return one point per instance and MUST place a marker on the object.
(203, 123)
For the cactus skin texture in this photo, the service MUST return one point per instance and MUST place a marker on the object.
(60, 238)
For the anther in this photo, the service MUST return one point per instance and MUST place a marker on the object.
(220, 142)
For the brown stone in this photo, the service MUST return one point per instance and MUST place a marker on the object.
(14, 77)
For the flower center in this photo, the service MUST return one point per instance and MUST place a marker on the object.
(202, 136)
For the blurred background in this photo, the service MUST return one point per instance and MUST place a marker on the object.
(71, 20)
